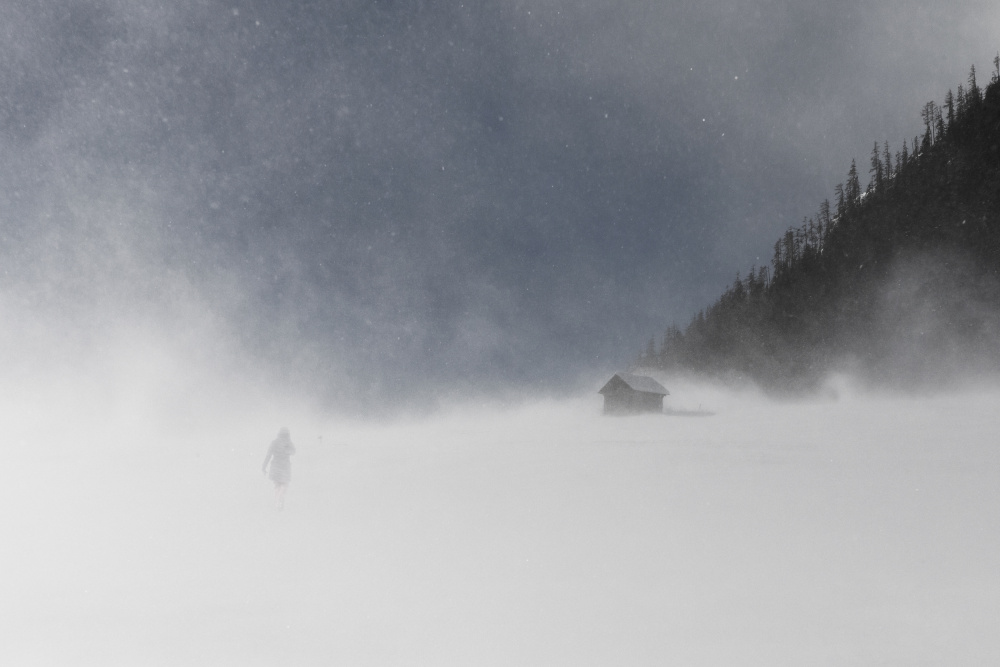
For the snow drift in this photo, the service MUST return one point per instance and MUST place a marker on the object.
(861, 530)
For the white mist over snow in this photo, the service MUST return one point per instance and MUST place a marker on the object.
(858, 530)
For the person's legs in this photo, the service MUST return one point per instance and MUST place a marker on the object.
(279, 495)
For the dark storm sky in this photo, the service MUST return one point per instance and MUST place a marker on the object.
(400, 196)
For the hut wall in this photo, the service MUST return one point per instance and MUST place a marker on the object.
(632, 402)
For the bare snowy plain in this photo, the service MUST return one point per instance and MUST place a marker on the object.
(854, 529)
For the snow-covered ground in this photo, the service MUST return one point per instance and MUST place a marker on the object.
(862, 530)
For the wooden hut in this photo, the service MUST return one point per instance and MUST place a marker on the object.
(628, 394)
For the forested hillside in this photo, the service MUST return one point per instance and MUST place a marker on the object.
(898, 281)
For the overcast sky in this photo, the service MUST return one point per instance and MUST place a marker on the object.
(397, 198)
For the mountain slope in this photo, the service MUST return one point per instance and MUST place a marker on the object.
(899, 282)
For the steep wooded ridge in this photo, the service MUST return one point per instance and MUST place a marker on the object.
(898, 283)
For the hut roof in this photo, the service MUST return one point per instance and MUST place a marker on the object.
(641, 383)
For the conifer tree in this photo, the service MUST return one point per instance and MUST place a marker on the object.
(973, 97)
(926, 115)
(738, 290)
(853, 188)
(887, 159)
(763, 277)
(825, 223)
(876, 170)
(789, 248)
(812, 236)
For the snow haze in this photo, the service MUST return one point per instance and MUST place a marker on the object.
(379, 201)
(857, 529)
(218, 219)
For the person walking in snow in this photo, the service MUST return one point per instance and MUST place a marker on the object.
(279, 456)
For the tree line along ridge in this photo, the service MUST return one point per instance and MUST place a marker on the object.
(898, 281)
